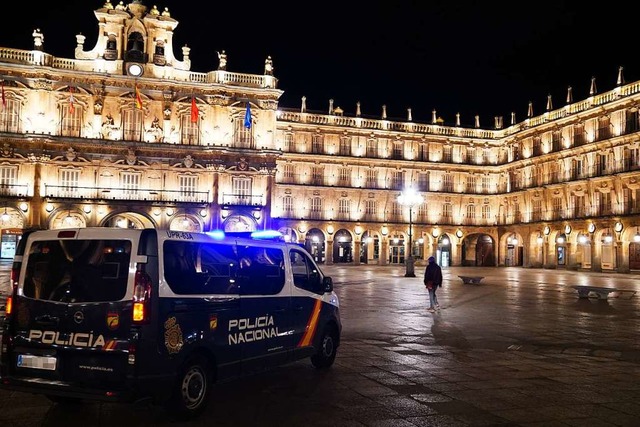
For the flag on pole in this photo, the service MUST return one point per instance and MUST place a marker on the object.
(4, 100)
(195, 113)
(72, 100)
(247, 117)
(138, 98)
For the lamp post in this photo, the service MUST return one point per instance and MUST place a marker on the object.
(409, 197)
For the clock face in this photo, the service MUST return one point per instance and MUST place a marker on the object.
(134, 69)
(592, 228)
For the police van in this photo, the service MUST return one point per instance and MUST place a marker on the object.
(126, 314)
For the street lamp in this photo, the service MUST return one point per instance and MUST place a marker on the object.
(409, 197)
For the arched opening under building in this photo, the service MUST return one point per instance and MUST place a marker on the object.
(396, 248)
(478, 250)
(370, 248)
(443, 253)
(342, 247)
(314, 243)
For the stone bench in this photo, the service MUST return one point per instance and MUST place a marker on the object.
(471, 280)
(602, 292)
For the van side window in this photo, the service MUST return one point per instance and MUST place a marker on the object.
(193, 268)
(305, 274)
(261, 270)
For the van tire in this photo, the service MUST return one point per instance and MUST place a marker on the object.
(191, 390)
(326, 354)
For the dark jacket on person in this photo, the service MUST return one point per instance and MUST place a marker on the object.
(433, 273)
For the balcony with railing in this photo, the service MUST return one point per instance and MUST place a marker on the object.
(235, 199)
(14, 190)
(119, 193)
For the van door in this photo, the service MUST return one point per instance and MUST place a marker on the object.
(307, 281)
(265, 304)
(72, 318)
(201, 303)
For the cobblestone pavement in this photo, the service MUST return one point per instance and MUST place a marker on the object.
(519, 349)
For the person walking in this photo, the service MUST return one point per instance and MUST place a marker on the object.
(432, 281)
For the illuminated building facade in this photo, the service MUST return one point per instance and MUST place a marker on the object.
(126, 135)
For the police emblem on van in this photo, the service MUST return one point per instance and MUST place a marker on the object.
(172, 335)
(113, 320)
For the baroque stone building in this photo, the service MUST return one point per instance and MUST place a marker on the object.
(126, 135)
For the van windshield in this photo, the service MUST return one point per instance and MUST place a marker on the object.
(77, 270)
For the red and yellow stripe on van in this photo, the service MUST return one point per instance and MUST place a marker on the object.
(312, 325)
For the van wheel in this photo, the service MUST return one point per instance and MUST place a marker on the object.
(192, 388)
(326, 354)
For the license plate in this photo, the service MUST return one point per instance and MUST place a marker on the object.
(36, 362)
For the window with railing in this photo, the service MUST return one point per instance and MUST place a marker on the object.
(317, 175)
(345, 146)
(463, 154)
(287, 206)
(344, 209)
(536, 210)
(558, 209)
(315, 210)
(288, 142)
(556, 141)
(71, 120)
(579, 206)
(370, 210)
(10, 116)
(471, 214)
(396, 210)
(345, 177)
(447, 212)
(485, 156)
(397, 180)
(516, 211)
(132, 124)
(288, 174)
(317, 144)
(188, 185)
(372, 178)
(242, 135)
(241, 188)
(423, 152)
(471, 184)
(447, 183)
(446, 154)
(423, 181)
(189, 131)
(69, 180)
(486, 212)
(130, 184)
(397, 151)
(486, 185)
(372, 148)
(8, 175)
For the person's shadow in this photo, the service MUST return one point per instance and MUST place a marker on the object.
(446, 333)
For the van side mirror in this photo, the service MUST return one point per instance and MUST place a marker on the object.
(327, 284)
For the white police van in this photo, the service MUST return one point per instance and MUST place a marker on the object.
(124, 314)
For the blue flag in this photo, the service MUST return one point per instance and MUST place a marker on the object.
(247, 117)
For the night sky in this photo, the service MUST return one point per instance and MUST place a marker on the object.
(470, 57)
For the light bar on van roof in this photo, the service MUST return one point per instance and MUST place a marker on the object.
(258, 234)
(266, 234)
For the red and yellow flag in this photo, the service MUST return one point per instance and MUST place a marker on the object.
(138, 98)
(194, 111)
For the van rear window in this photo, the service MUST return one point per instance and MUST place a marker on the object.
(77, 270)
